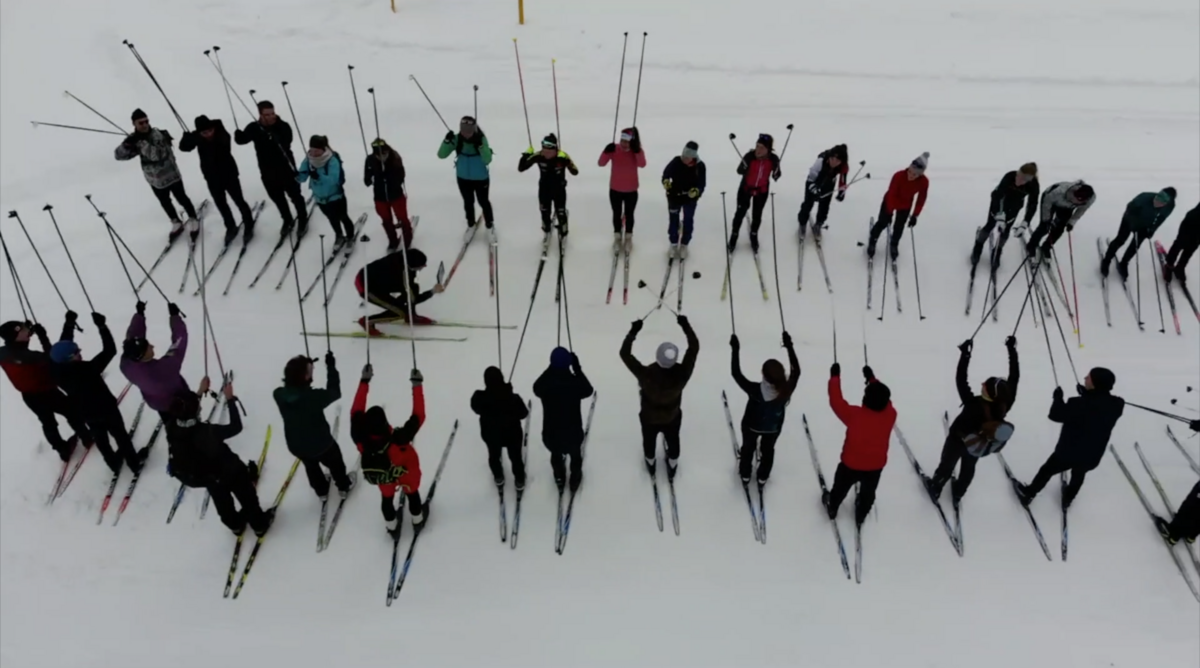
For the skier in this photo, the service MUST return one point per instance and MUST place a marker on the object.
(684, 179)
(29, 371)
(153, 147)
(1186, 241)
(757, 168)
(660, 386)
(500, 412)
(158, 378)
(829, 171)
(472, 155)
(200, 458)
(1087, 423)
(626, 158)
(272, 138)
(212, 143)
(980, 428)
(1063, 204)
(389, 459)
(83, 381)
(865, 450)
(762, 420)
(385, 171)
(1016, 189)
(897, 203)
(1143, 216)
(386, 278)
(324, 166)
(1186, 524)
(305, 427)
(562, 387)
(552, 183)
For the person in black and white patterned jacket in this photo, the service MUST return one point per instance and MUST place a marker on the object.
(153, 146)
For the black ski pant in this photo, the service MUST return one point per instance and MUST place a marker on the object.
(1187, 519)
(752, 203)
(1009, 211)
(388, 504)
(1052, 229)
(280, 191)
(476, 190)
(513, 447)
(954, 453)
(233, 188)
(1053, 466)
(339, 219)
(330, 459)
(822, 203)
(1123, 234)
(164, 198)
(45, 405)
(845, 478)
(765, 444)
(237, 483)
(560, 450)
(557, 197)
(897, 219)
(623, 205)
(112, 424)
(670, 433)
(1183, 248)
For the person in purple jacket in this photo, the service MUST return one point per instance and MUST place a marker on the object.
(158, 378)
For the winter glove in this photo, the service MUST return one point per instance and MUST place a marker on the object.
(368, 372)
(666, 184)
(37, 329)
(841, 196)
(912, 221)
(529, 152)
(966, 346)
(173, 310)
(72, 317)
(330, 360)
(1080, 389)
(1194, 425)
(636, 327)
(813, 189)
(635, 145)
(204, 385)
(868, 373)
(610, 149)
(575, 363)
(1010, 342)
(776, 174)
(99, 319)
(1058, 394)
(787, 340)
(228, 391)
(449, 138)
(835, 370)
(141, 308)
(683, 321)
(734, 343)
(416, 378)
(694, 193)
(999, 218)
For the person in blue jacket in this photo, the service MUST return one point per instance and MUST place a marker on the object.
(472, 157)
(324, 167)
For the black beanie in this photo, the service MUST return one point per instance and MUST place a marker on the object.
(877, 396)
(9, 330)
(375, 422)
(203, 123)
(493, 378)
(185, 405)
(415, 259)
(1103, 379)
(137, 115)
(135, 348)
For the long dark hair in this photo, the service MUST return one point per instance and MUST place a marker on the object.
(774, 373)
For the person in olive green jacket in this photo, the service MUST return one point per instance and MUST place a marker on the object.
(472, 157)
(304, 426)
(1143, 216)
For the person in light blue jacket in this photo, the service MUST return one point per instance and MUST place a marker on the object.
(472, 157)
(328, 184)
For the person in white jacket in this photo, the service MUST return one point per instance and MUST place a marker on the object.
(1063, 204)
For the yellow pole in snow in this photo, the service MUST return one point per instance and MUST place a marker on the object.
(521, 12)
(393, 6)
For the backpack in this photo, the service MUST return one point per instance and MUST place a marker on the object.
(377, 466)
(991, 438)
(187, 460)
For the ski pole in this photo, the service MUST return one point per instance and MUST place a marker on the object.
(620, 83)
(357, 110)
(224, 85)
(728, 273)
(1158, 412)
(14, 214)
(288, 99)
(912, 237)
(325, 291)
(883, 299)
(834, 321)
(229, 87)
(120, 129)
(1075, 289)
(299, 299)
(866, 357)
(136, 296)
(142, 62)
(1063, 282)
(566, 306)
(735, 149)
(775, 261)
(375, 109)
(524, 329)
(1021, 315)
(499, 351)
(790, 127)
(413, 78)
(1046, 335)
(408, 300)
(557, 125)
(524, 104)
(129, 251)
(638, 97)
(50, 210)
(22, 297)
(998, 297)
(37, 124)
(1061, 334)
(1137, 264)
(1157, 293)
(366, 276)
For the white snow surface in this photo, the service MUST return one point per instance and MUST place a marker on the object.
(1107, 91)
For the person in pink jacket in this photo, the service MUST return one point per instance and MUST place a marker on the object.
(626, 159)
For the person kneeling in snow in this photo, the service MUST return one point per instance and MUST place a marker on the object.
(387, 282)
(865, 450)
(389, 459)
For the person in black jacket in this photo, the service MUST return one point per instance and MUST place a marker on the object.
(383, 283)
(31, 373)
(762, 420)
(83, 381)
(272, 138)
(684, 179)
(1186, 241)
(979, 421)
(1087, 423)
(500, 412)
(1016, 189)
(660, 387)
(828, 172)
(385, 171)
(1186, 524)
(561, 388)
(200, 458)
(212, 143)
(553, 165)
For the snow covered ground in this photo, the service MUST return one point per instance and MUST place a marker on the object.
(1104, 90)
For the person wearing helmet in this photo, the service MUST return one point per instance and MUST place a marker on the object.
(757, 168)
(387, 282)
(553, 165)
(30, 373)
(865, 450)
(157, 378)
(389, 459)
(762, 420)
(980, 428)
(562, 387)
(660, 386)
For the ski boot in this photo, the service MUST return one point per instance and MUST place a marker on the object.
(829, 510)
(651, 466)
(754, 243)
(628, 243)
(176, 228)
(252, 471)
(576, 481)
(932, 487)
(230, 234)
(519, 483)
(617, 243)
(369, 329)
(1123, 270)
(1164, 528)
(672, 467)
(268, 520)
(193, 228)
(683, 251)
(1024, 494)
(392, 526)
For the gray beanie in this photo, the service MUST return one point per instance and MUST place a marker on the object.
(667, 355)
(921, 162)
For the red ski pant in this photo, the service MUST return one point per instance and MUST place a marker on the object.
(400, 207)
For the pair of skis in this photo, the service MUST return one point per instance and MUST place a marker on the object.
(341, 250)
(1161, 254)
(762, 284)
(871, 272)
(950, 531)
(201, 213)
(1101, 245)
(837, 534)
(462, 252)
(563, 527)
(324, 537)
(284, 236)
(820, 257)
(674, 257)
(758, 521)
(658, 514)
(237, 547)
(396, 580)
(171, 244)
(992, 287)
(516, 523)
(67, 474)
(132, 483)
(212, 413)
(612, 274)
(254, 213)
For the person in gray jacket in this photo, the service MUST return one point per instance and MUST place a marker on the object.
(153, 146)
(1063, 204)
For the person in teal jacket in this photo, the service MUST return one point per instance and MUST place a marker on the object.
(1143, 216)
(472, 157)
(305, 428)
(324, 168)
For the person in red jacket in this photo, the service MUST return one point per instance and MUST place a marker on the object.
(30, 373)
(898, 203)
(868, 435)
(389, 459)
(758, 168)
(626, 158)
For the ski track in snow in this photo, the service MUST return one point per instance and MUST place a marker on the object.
(1106, 91)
